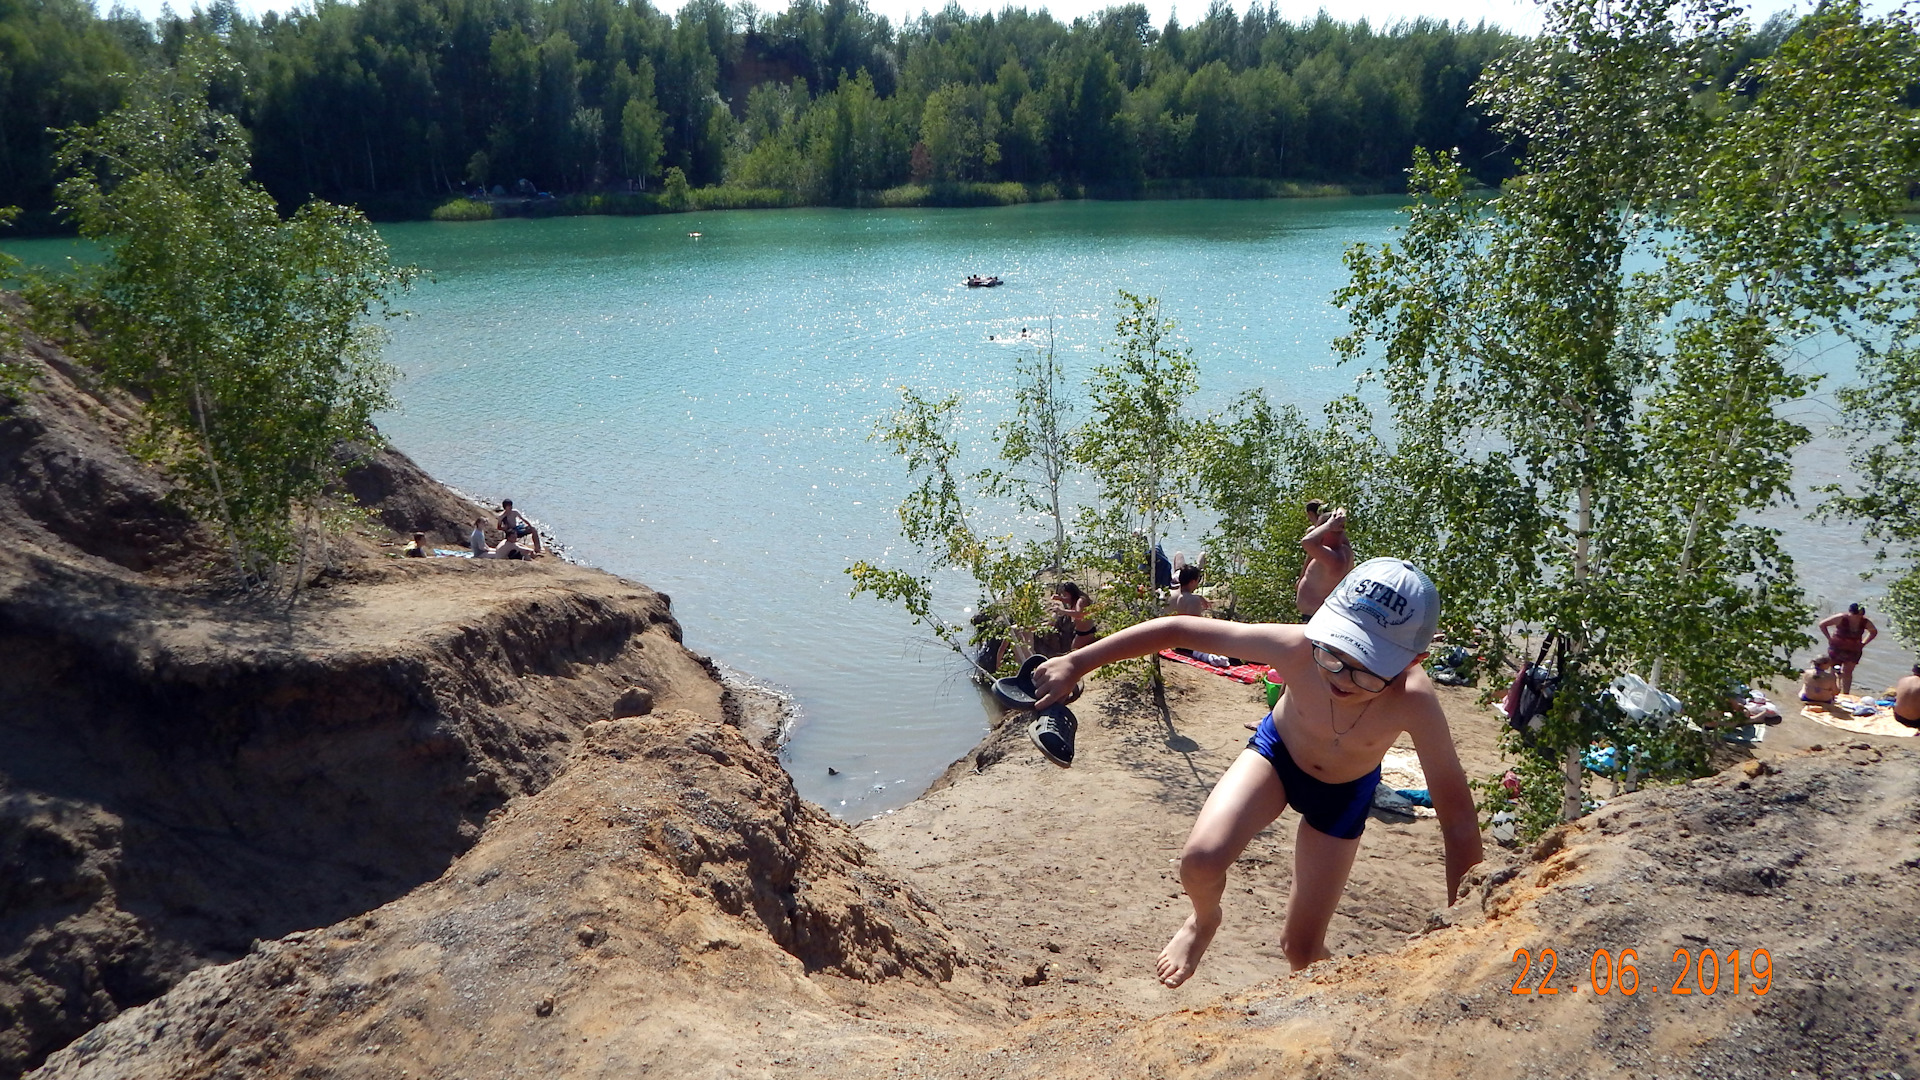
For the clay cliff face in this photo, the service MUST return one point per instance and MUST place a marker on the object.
(668, 907)
(184, 771)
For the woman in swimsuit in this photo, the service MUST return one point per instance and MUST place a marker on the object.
(1817, 684)
(1847, 635)
(1069, 601)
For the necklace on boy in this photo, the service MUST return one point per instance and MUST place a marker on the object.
(1337, 732)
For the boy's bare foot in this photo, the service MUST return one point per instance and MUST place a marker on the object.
(1181, 958)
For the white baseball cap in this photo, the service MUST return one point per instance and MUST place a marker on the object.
(1383, 614)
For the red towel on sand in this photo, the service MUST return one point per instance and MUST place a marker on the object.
(1246, 673)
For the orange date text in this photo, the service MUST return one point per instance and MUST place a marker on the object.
(1705, 972)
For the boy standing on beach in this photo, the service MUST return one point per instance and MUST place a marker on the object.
(1354, 683)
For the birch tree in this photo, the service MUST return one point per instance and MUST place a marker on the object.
(1614, 331)
(250, 336)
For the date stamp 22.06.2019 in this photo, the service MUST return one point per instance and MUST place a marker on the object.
(1703, 972)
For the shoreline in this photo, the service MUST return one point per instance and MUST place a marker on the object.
(944, 196)
(400, 209)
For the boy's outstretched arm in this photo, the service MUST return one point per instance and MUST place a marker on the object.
(1447, 786)
(1256, 642)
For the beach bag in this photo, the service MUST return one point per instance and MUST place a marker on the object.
(1531, 694)
(1160, 567)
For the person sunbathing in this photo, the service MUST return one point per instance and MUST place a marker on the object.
(1906, 699)
(515, 524)
(1354, 684)
(1188, 600)
(1818, 684)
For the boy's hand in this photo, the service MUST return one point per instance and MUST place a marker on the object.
(1054, 681)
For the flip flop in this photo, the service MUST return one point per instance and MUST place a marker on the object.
(1017, 692)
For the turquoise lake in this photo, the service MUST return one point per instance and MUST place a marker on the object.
(694, 413)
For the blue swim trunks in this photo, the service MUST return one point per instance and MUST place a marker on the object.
(1339, 810)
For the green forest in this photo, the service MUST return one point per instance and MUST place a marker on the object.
(396, 104)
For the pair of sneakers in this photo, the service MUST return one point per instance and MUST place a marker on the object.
(1053, 729)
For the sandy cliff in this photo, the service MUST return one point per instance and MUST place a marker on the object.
(407, 829)
(184, 771)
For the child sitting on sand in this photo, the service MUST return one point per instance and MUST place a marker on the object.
(1354, 683)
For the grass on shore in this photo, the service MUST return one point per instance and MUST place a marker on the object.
(906, 196)
(463, 210)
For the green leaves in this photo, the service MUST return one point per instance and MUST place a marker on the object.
(1132, 447)
(12, 380)
(1607, 338)
(247, 334)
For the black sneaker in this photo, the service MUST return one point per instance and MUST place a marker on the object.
(1052, 731)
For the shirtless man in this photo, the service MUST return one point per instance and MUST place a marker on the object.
(1188, 600)
(509, 548)
(515, 524)
(1329, 557)
(1817, 684)
(1847, 636)
(1354, 683)
(1906, 699)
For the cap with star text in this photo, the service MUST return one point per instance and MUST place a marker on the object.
(1383, 614)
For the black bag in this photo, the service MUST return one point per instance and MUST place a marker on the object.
(1531, 694)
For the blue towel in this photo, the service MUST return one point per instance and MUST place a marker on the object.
(1416, 796)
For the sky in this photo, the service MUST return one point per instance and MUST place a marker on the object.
(1519, 16)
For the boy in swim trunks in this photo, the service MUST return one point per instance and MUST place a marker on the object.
(516, 525)
(1354, 683)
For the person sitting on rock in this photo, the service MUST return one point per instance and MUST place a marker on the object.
(515, 524)
(417, 547)
(1329, 556)
(477, 539)
(1818, 684)
(1354, 684)
(509, 548)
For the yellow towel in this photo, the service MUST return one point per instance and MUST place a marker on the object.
(1840, 715)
